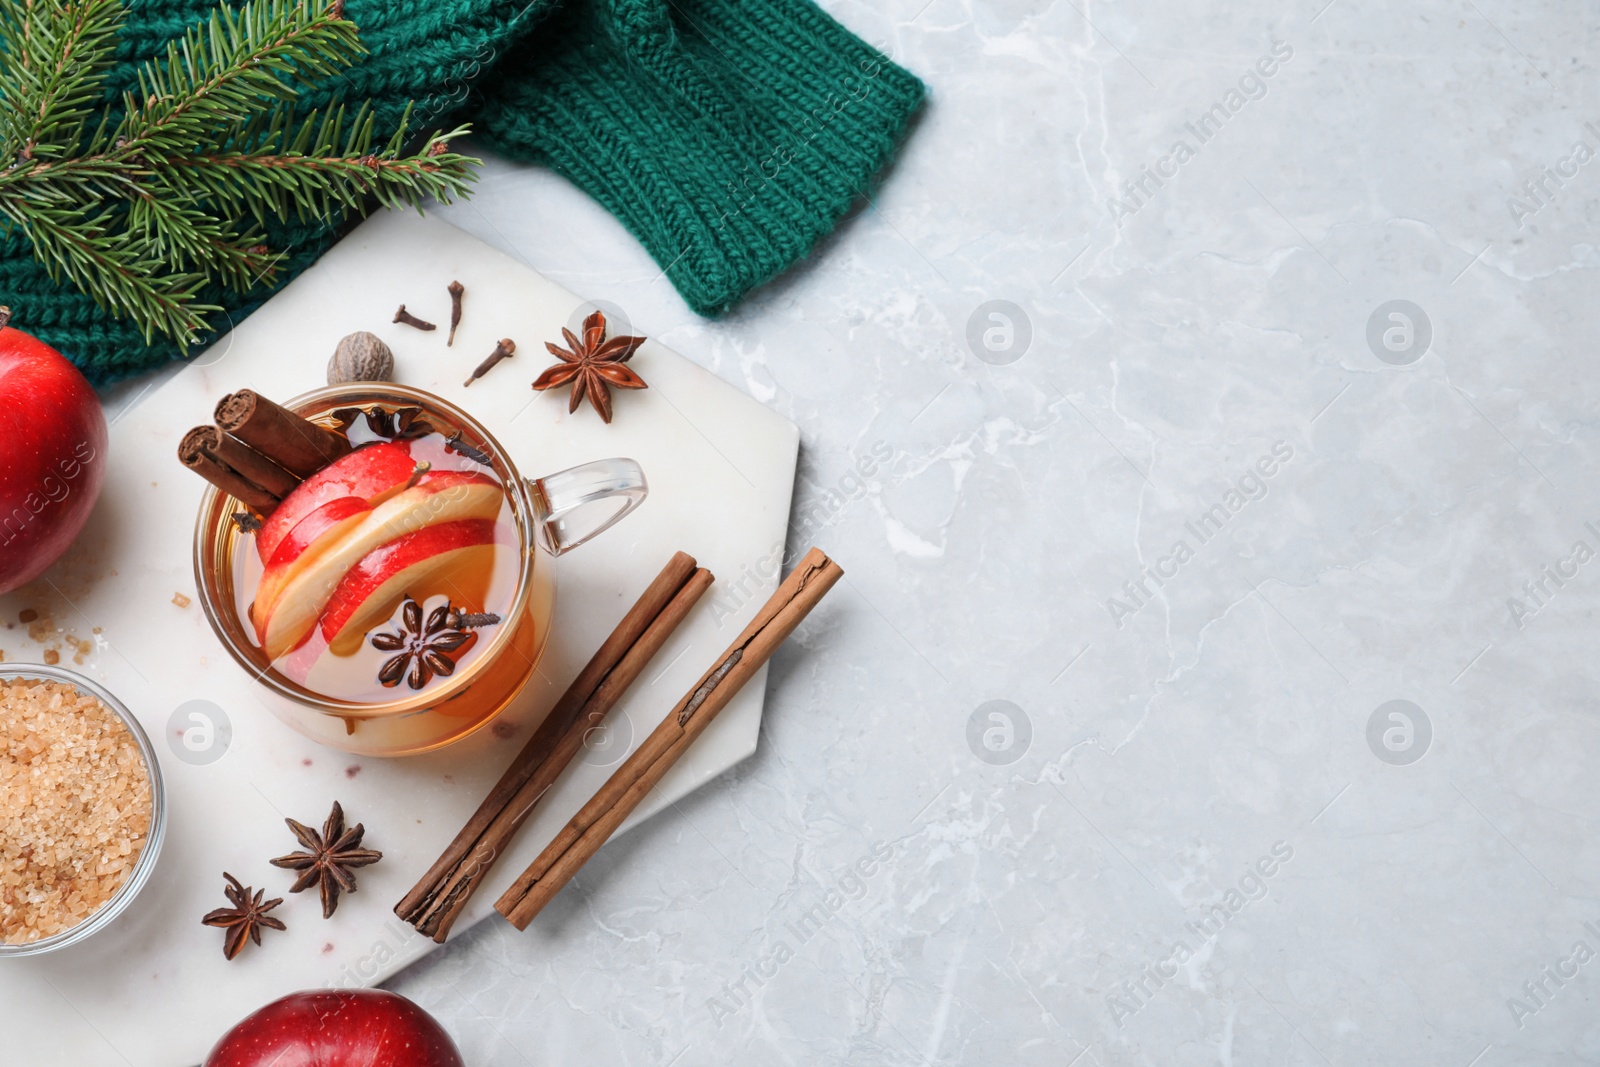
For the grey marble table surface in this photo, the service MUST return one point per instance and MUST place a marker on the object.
(1204, 413)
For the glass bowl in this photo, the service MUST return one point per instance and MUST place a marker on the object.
(145, 865)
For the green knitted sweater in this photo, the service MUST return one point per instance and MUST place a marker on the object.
(729, 136)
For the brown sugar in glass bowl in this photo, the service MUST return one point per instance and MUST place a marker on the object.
(82, 808)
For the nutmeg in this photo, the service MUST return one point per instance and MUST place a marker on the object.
(361, 357)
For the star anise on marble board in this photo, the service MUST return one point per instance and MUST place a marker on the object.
(329, 859)
(245, 920)
(424, 647)
(593, 365)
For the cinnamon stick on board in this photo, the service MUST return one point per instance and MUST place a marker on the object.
(198, 452)
(298, 446)
(438, 898)
(599, 818)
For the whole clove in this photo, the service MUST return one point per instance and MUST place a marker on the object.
(411, 320)
(469, 620)
(456, 289)
(458, 443)
(505, 349)
(417, 474)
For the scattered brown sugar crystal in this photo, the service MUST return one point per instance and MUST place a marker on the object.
(75, 807)
(52, 657)
(180, 600)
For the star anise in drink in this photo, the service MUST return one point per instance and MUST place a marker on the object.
(425, 647)
(245, 919)
(330, 858)
(401, 424)
(593, 365)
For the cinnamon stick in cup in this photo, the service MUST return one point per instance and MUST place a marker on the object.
(232, 452)
(298, 446)
(582, 837)
(198, 452)
(438, 898)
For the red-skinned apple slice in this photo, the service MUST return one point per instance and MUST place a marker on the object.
(313, 526)
(290, 611)
(365, 473)
(313, 533)
(416, 565)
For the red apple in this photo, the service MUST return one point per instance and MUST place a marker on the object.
(434, 559)
(337, 1028)
(290, 613)
(52, 455)
(365, 473)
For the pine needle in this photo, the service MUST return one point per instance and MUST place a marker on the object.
(144, 214)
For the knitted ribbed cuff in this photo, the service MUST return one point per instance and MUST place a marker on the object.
(729, 136)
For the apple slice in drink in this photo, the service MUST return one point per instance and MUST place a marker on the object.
(301, 545)
(448, 557)
(366, 473)
(289, 610)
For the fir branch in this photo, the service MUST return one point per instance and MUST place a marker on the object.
(187, 237)
(53, 72)
(122, 274)
(319, 169)
(142, 215)
(265, 51)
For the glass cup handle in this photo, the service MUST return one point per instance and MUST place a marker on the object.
(574, 505)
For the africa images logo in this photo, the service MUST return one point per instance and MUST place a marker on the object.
(53, 489)
(1127, 998)
(1249, 487)
(1251, 86)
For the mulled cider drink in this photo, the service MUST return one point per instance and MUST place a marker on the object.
(392, 596)
(380, 570)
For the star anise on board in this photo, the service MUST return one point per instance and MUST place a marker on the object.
(329, 859)
(245, 919)
(593, 365)
(424, 647)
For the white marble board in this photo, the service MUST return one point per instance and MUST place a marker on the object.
(154, 988)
